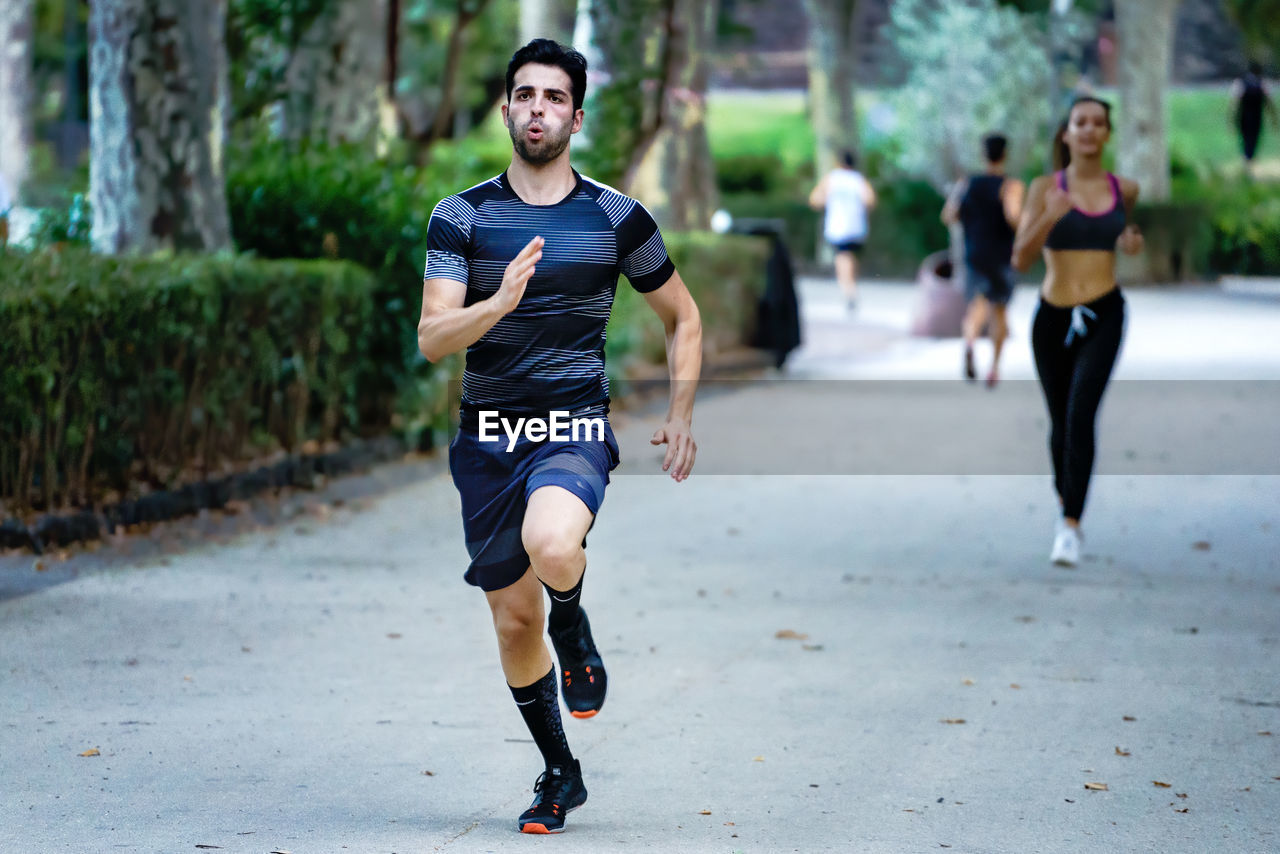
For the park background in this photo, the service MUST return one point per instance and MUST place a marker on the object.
(212, 264)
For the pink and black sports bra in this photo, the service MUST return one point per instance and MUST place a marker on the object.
(1082, 230)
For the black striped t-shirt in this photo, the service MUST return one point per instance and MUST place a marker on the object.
(548, 353)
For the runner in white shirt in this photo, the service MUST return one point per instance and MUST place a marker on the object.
(847, 197)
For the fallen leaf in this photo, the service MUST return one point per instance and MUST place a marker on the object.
(1184, 809)
(92, 751)
(394, 635)
(428, 773)
(1264, 732)
(1025, 619)
(1161, 785)
(209, 846)
(758, 759)
(1182, 794)
(1201, 545)
(1068, 800)
(1120, 752)
(968, 682)
(953, 720)
(729, 824)
(39, 566)
(789, 634)
(704, 812)
(1015, 686)
(1129, 718)
(812, 647)
(246, 649)
(1097, 787)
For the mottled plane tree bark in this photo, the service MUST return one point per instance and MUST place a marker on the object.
(157, 77)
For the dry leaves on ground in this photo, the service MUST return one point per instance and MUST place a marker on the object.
(1097, 787)
(92, 751)
(790, 634)
(953, 720)
(1120, 752)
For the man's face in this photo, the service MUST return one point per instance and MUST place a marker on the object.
(540, 116)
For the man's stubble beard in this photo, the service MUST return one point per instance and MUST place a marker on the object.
(552, 147)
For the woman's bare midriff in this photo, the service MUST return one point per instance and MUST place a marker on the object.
(1077, 276)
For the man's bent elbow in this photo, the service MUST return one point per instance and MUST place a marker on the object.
(428, 347)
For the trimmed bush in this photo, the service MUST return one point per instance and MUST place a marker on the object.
(128, 372)
(726, 276)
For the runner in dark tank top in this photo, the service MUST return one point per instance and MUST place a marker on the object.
(987, 205)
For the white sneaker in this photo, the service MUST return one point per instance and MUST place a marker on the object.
(1066, 546)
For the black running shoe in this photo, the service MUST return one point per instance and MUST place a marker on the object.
(970, 372)
(582, 672)
(559, 791)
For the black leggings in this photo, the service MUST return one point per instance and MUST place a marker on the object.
(1075, 350)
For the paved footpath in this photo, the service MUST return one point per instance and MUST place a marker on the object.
(821, 652)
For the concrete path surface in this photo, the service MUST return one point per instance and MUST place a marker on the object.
(866, 658)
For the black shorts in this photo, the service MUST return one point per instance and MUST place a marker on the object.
(496, 478)
(995, 283)
(854, 246)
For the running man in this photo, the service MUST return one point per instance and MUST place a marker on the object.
(988, 206)
(1078, 217)
(521, 272)
(847, 197)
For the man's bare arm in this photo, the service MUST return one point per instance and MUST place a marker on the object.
(674, 305)
(446, 326)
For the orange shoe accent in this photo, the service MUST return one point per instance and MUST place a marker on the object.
(584, 715)
(536, 828)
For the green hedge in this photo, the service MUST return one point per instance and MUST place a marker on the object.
(726, 276)
(120, 372)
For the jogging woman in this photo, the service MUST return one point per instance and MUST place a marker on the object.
(1078, 217)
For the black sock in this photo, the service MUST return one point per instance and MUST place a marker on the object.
(564, 605)
(539, 704)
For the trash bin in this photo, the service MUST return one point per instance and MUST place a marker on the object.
(778, 310)
(940, 305)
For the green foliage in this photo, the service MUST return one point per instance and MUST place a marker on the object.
(627, 34)
(726, 276)
(1259, 22)
(750, 173)
(340, 203)
(1245, 228)
(121, 370)
(262, 38)
(904, 227)
(974, 67)
(490, 40)
(66, 224)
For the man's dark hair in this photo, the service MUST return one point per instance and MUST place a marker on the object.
(1255, 68)
(548, 52)
(994, 145)
(848, 158)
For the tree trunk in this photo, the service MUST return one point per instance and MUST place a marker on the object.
(16, 39)
(336, 80)
(443, 118)
(157, 73)
(673, 174)
(536, 21)
(1145, 34)
(832, 60)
